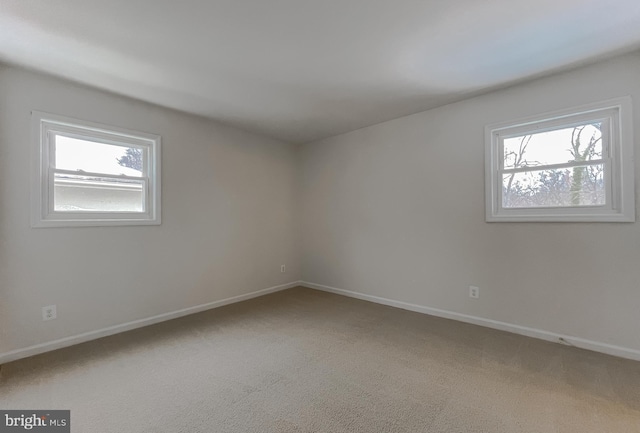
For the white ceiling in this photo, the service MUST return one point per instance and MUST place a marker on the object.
(300, 70)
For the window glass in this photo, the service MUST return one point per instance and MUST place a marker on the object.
(576, 143)
(74, 193)
(575, 186)
(89, 156)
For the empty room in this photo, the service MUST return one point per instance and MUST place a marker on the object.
(319, 216)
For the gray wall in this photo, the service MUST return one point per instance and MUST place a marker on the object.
(396, 210)
(227, 217)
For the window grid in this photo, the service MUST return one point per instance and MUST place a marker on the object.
(47, 175)
(614, 120)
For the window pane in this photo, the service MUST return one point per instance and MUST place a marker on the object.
(576, 143)
(576, 186)
(89, 156)
(93, 194)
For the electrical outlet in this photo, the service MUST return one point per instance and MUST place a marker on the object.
(282, 268)
(49, 313)
(474, 292)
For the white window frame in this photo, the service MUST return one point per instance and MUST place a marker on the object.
(617, 158)
(44, 127)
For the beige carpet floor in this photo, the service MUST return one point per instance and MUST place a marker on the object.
(308, 361)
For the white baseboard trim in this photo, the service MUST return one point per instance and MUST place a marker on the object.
(116, 329)
(609, 349)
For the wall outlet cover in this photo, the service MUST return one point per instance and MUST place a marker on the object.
(49, 312)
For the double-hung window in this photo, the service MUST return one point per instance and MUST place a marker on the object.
(88, 174)
(570, 165)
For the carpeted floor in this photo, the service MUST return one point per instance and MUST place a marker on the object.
(308, 361)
